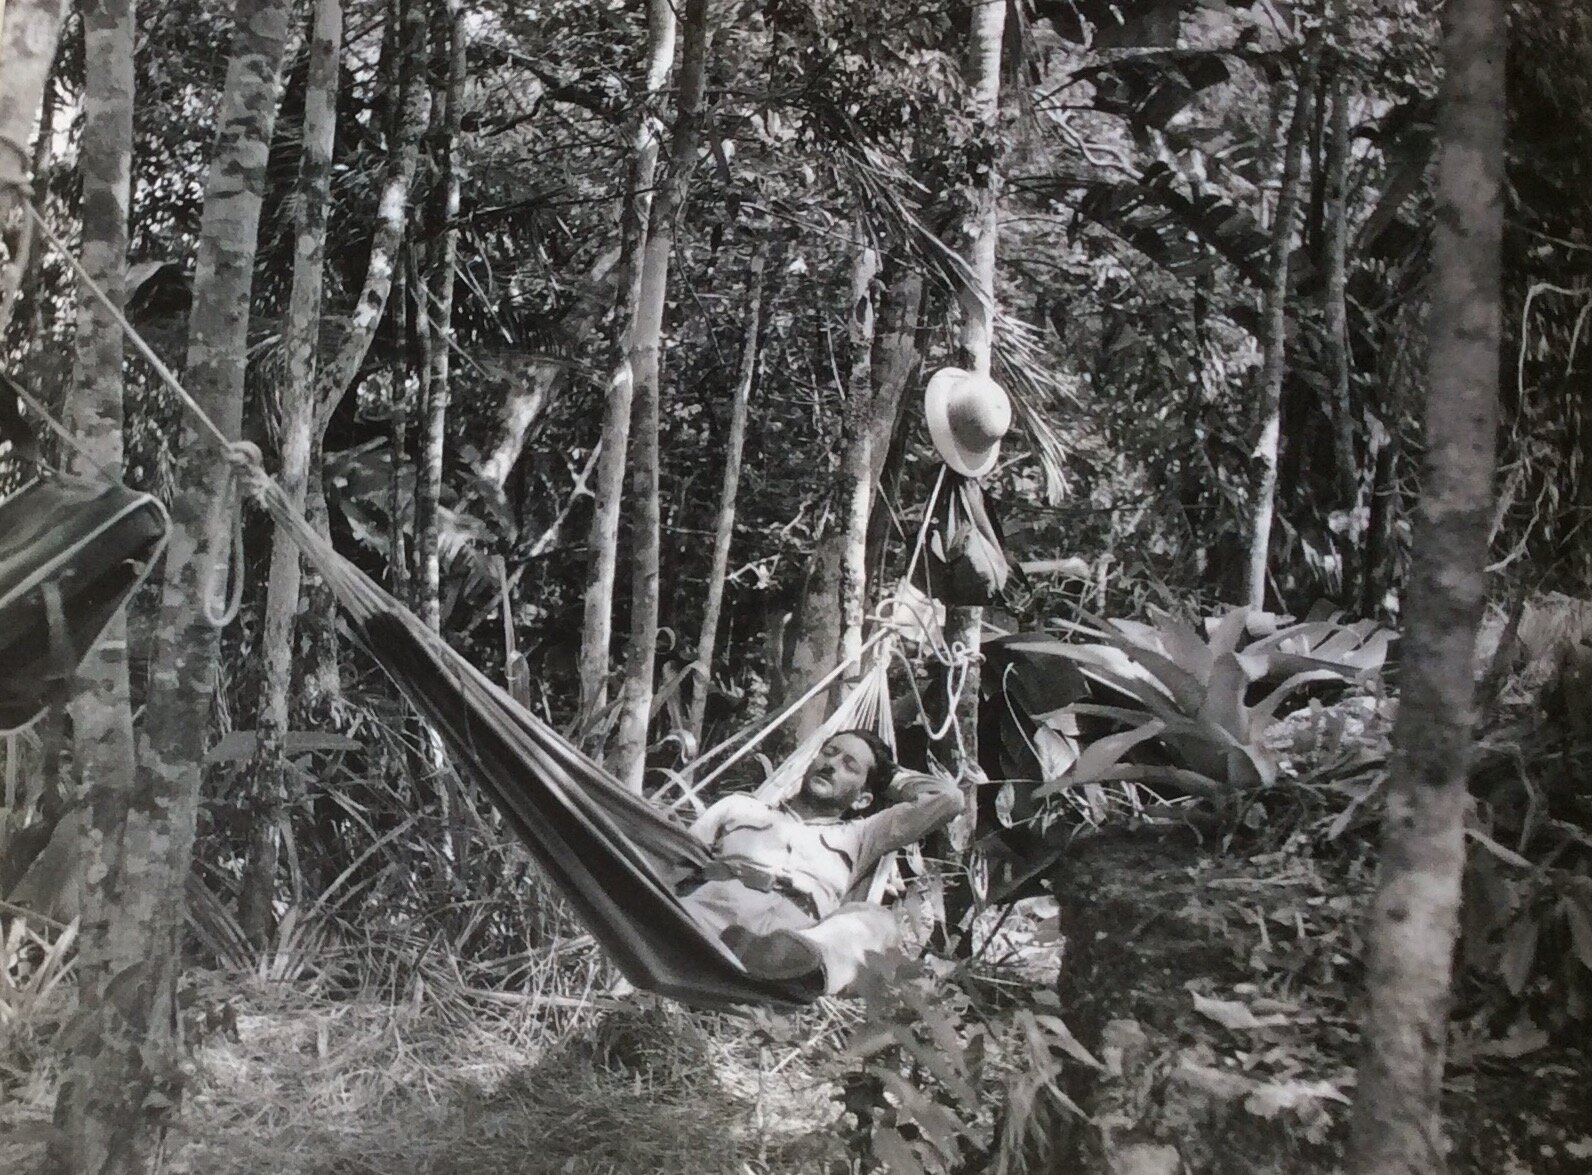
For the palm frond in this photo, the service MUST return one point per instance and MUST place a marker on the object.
(1026, 371)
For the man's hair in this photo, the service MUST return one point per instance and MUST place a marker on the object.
(884, 764)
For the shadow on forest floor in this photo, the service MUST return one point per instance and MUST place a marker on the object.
(1221, 993)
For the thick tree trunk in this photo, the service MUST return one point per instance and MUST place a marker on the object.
(157, 835)
(646, 345)
(1396, 1126)
(29, 30)
(444, 257)
(597, 623)
(296, 407)
(724, 526)
(1274, 341)
(105, 1077)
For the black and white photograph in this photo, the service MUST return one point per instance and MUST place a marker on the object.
(795, 587)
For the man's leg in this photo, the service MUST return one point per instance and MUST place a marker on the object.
(840, 944)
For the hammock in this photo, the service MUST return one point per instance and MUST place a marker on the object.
(71, 551)
(615, 856)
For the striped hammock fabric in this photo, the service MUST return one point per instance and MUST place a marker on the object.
(615, 857)
(71, 551)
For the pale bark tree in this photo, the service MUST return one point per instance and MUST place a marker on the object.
(29, 30)
(646, 347)
(340, 373)
(857, 465)
(1396, 1124)
(296, 427)
(157, 832)
(724, 524)
(99, 1126)
(1335, 307)
(897, 363)
(23, 259)
(976, 328)
(1274, 336)
(829, 626)
(323, 677)
(603, 543)
(439, 310)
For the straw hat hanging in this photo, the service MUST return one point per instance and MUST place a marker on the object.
(968, 414)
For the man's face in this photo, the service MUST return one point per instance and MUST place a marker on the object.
(838, 778)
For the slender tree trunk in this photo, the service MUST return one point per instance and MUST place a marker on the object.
(897, 357)
(646, 345)
(857, 460)
(522, 408)
(338, 376)
(975, 343)
(1396, 1126)
(1382, 511)
(444, 258)
(976, 329)
(98, 1125)
(1335, 321)
(323, 676)
(158, 833)
(597, 624)
(724, 527)
(19, 272)
(897, 361)
(297, 425)
(398, 417)
(323, 679)
(29, 30)
(1275, 340)
(829, 622)
(424, 340)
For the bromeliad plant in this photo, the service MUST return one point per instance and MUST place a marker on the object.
(1164, 707)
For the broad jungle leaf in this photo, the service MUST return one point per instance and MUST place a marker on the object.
(1183, 644)
(1224, 697)
(1097, 760)
(1264, 712)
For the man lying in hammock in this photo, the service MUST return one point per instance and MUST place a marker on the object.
(775, 892)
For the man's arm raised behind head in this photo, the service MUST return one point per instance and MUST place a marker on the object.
(923, 803)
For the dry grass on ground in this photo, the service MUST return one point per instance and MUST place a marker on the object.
(300, 1085)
